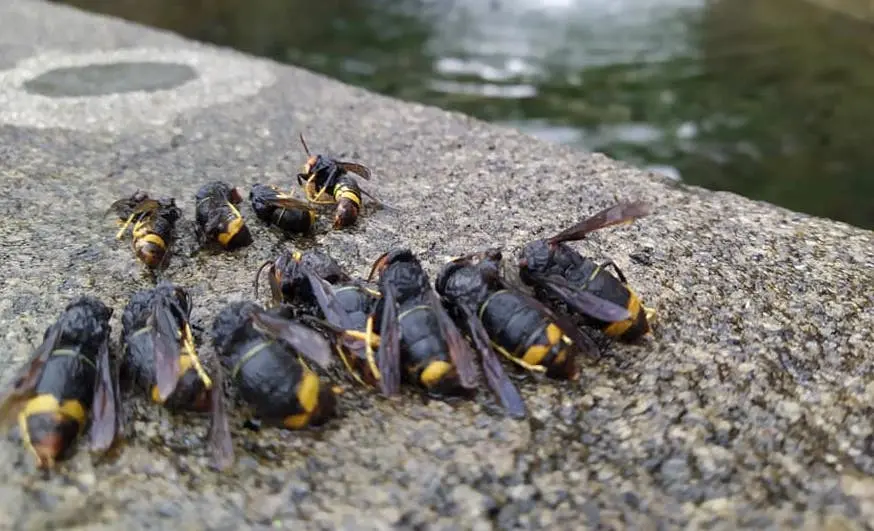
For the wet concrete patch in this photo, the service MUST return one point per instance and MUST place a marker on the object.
(124, 89)
(112, 78)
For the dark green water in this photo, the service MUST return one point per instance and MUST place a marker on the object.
(767, 98)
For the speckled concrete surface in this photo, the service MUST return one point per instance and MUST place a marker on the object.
(751, 406)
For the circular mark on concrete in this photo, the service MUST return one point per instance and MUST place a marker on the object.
(114, 90)
(112, 78)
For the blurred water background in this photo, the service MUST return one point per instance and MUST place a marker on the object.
(766, 98)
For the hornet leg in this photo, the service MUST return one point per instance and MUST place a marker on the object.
(188, 344)
(615, 267)
(522, 363)
(370, 340)
(348, 365)
(314, 198)
(651, 314)
(25, 437)
(124, 227)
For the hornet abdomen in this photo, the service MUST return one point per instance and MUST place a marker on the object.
(278, 209)
(217, 217)
(424, 353)
(151, 236)
(606, 286)
(591, 277)
(358, 304)
(139, 367)
(522, 331)
(277, 385)
(292, 219)
(57, 415)
(347, 194)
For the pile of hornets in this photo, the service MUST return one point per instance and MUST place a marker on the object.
(393, 328)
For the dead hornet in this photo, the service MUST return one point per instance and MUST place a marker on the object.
(289, 275)
(262, 349)
(560, 274)
(67, 380)
(338, 304)
(326, 181)
(417, 334)
(217, 217)
(154, 221)
(160, 359)
(517, 325)
(286, 213)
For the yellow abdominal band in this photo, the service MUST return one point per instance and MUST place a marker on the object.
(233, 228)
(308, 397)
(346, 193)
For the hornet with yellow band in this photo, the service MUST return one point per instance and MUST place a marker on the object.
(326, 181)
(261, 349)
(286, 213)
(341, 305)
(560, 274)
(67, 382)
(417, 334)
(518, 326)
(161, 360)
(152, 223)
(217, 218)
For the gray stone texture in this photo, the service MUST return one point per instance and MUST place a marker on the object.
(750, 407)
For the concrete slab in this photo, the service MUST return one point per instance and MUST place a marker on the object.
(750, 408)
